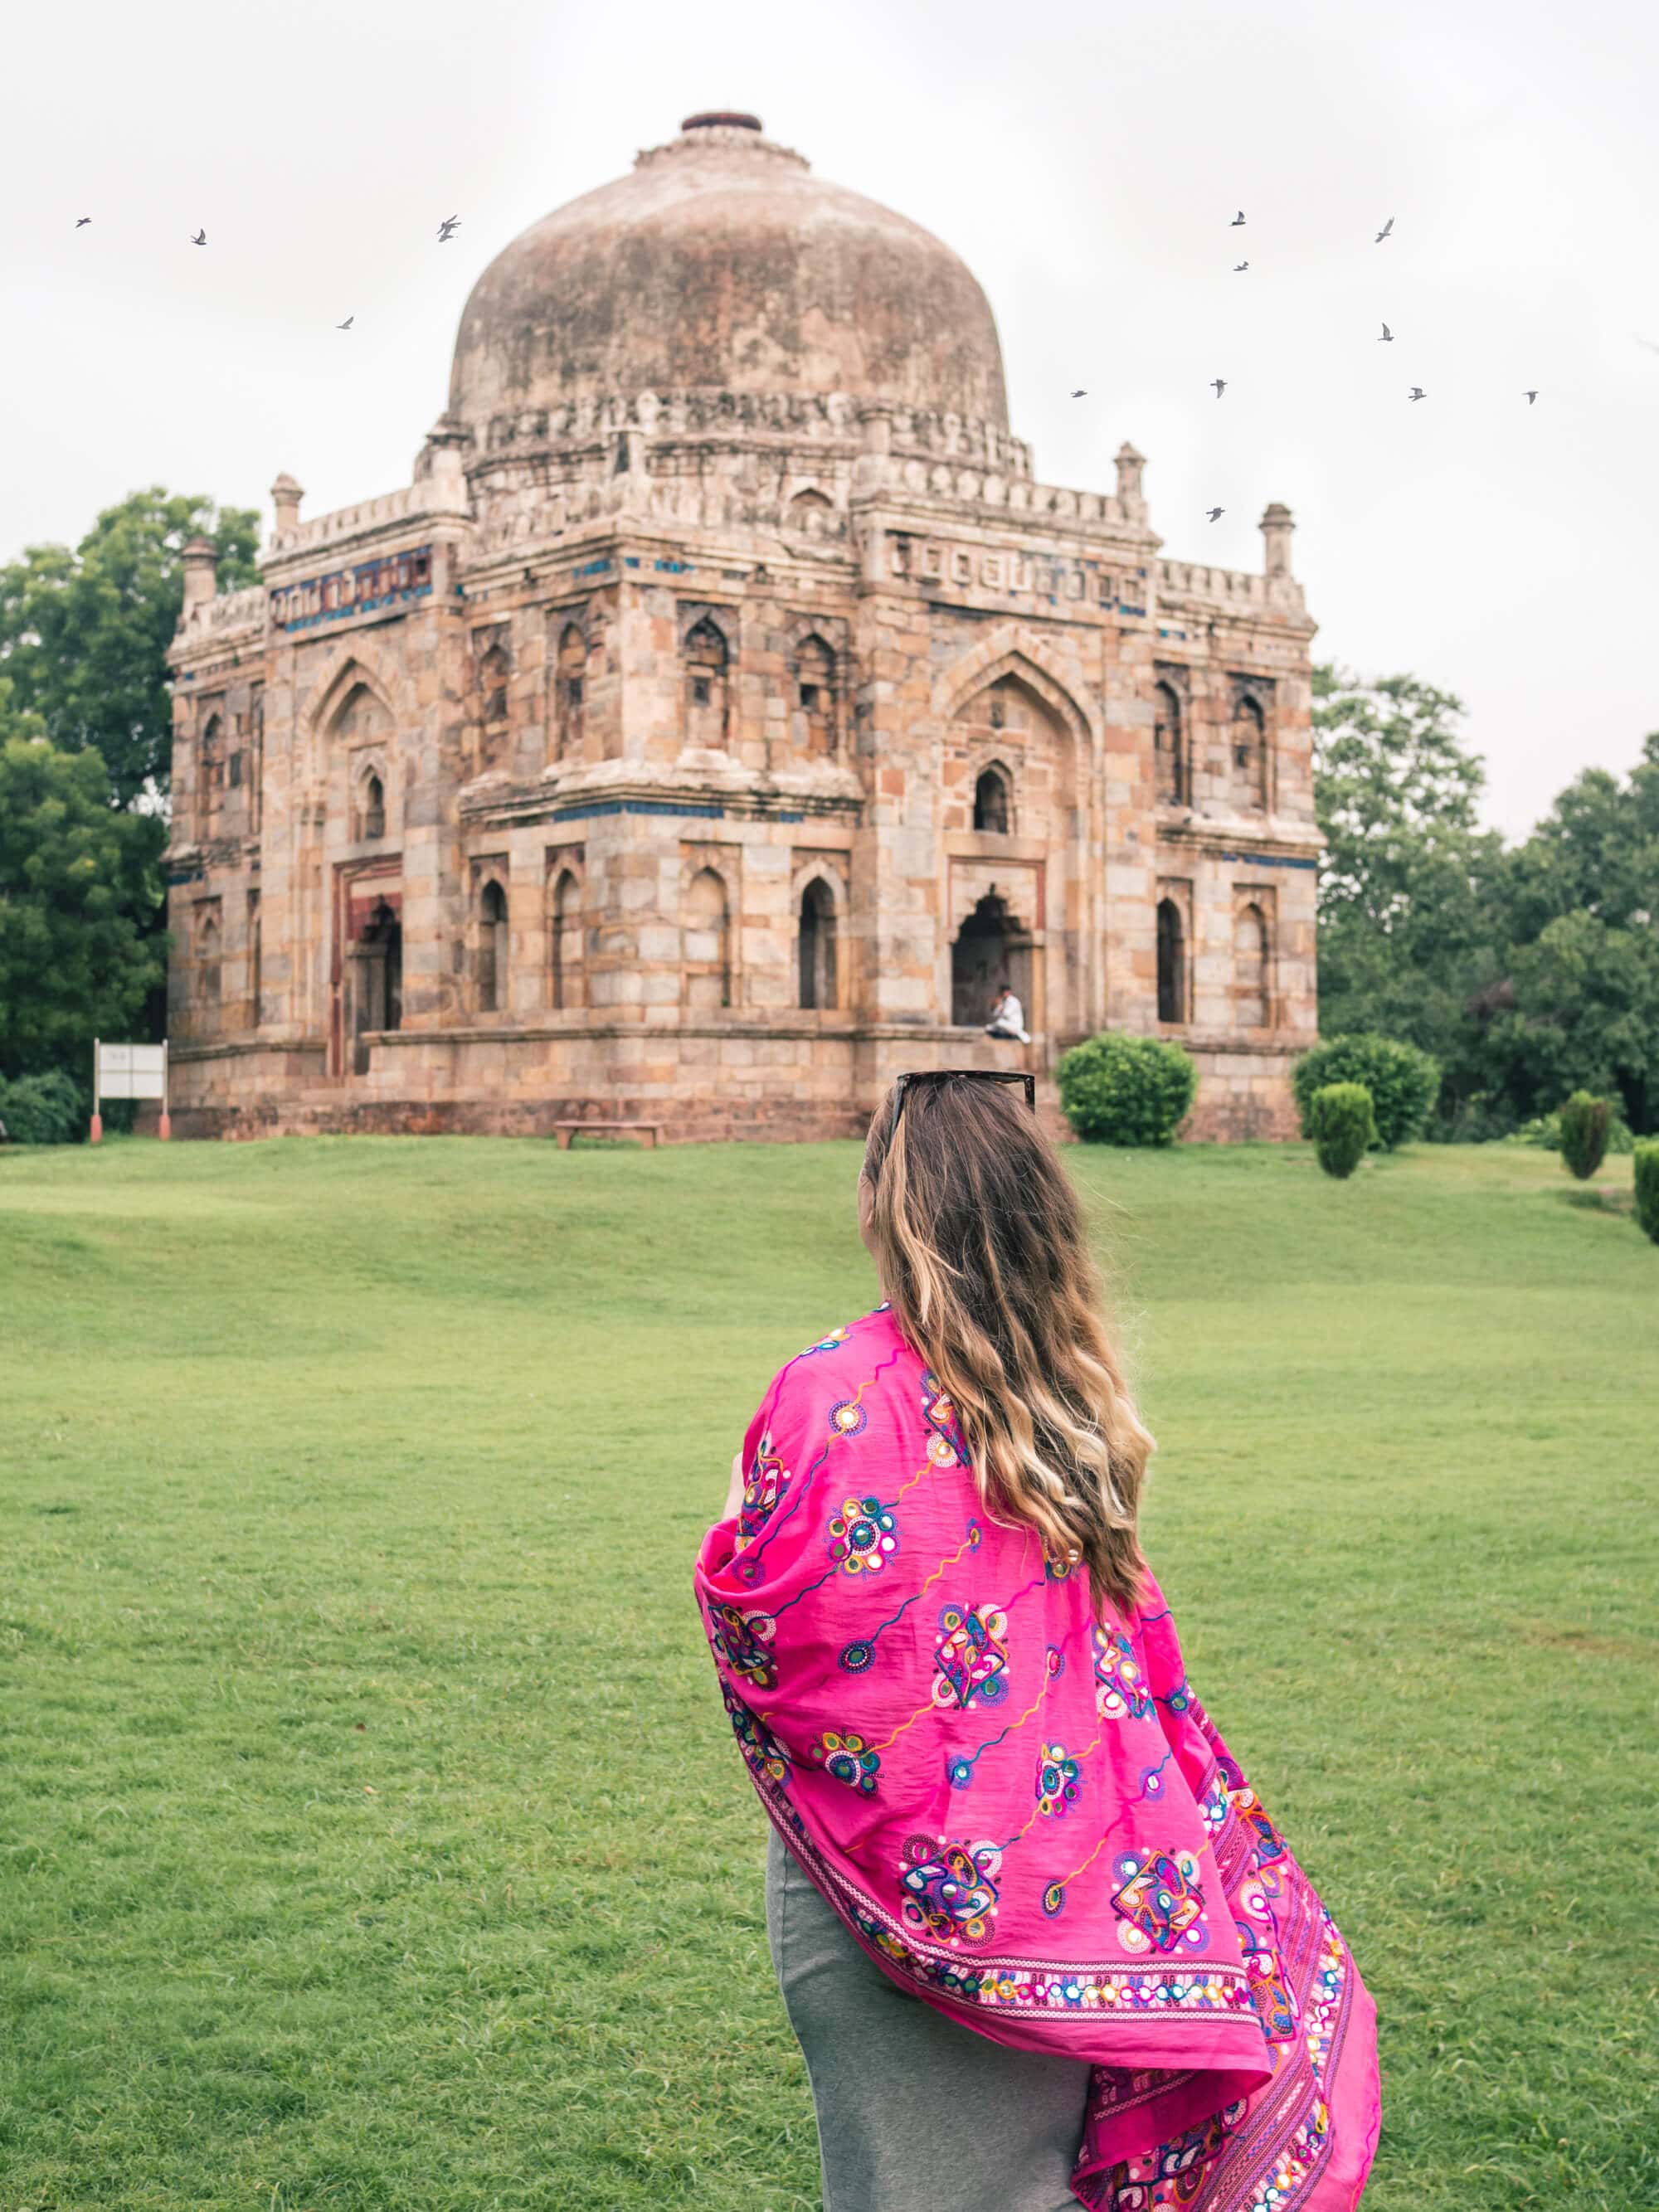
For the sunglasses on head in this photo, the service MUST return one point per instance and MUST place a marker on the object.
(906, 1083)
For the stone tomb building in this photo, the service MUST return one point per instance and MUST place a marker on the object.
(722, 711)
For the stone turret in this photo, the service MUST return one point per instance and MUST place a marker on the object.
(199, 561)
(285, 497)
(1276, 526)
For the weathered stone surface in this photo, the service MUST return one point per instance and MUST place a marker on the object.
(706, 739)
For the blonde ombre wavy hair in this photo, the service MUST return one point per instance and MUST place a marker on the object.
(979, 1243)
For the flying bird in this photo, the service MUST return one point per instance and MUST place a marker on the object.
(1237, 220)
(1240, 265)
(1079, 395)
(1387, 338)
(200, 238)
(447, 228)
(1383, 233)
(1531, 396)
(1215, 513)
(81, 221)
(1417, 392)
(1220, 384)
(346, 326)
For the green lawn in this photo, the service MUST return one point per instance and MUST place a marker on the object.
(371, 1834)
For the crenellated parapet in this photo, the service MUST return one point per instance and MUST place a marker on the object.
(231, 618)
(822, 420)
(422, 501)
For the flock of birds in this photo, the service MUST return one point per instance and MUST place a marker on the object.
(446, 230)
(1218, 384)
(451, 223)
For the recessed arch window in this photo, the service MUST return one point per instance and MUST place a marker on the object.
(571, 704)
(208, 961)
(372, 806)
(815, 697)
(1250, 753)
(706, 685)
(1252, 997)
(1169, 746)
(566, 940)
(816, 947)
(706, 944)
(991, 811)
(494, 668)
(811, 511)
(492, 956)
(1171, 963)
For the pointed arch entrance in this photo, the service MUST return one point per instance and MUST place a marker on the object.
(993, 946)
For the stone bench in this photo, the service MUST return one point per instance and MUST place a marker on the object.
(648, 1133)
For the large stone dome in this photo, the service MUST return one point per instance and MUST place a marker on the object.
(722, 265)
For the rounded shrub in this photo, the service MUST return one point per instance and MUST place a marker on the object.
(1118, 1090)
(44, 1110)
(1646, 1150)
(1343, 1126)
(1404, 1082)
(1583, 1124)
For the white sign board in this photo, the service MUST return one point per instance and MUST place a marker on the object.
(132, 1070)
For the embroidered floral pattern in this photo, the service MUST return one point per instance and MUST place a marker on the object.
(1119, 1683)
(847, 1759)
(767, 1480)
(833, 1342)
(755, 1740)
(1057, 1783)
(1160, 1900)
(862, 1535)
(743, 1641)
(971, 1657)
(1269, 1844)
(948, 1888)
(848, 1418)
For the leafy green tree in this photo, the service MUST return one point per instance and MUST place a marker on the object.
(1578, 1008)
(84, 630)
(1596, 850)
(1404, 919)
(80, 883)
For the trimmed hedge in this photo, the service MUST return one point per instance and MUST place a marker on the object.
(1584, 1122)
(1343, 1126)
(1403, 1081)
(1118, 1090)
(1647, 1185)
(44, 1110)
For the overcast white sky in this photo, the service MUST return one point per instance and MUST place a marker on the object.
(1084, 157)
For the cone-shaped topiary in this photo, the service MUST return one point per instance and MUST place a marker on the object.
(1342, 1125)
(1647, 1185)
(1126, 1090)
(1584, 1123)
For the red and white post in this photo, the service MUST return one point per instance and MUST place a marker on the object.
(96, 1134)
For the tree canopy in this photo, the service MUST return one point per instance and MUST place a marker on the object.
(1528, 971)
(84, 630)
(80, 885)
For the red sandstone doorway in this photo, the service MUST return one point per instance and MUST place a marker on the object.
(366, 979)
(377, 982)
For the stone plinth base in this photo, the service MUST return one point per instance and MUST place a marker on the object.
(783, 1082)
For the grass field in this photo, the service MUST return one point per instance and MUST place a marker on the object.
(371, 1835)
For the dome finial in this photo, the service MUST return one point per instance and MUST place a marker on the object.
(720, 118)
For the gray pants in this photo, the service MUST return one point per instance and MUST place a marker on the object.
(916, 2113)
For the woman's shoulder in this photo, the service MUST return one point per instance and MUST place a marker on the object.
(853, 1359)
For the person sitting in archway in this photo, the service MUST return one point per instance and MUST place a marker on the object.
(1007, 1016)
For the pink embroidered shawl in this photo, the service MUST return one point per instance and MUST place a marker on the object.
(1024, 1813)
